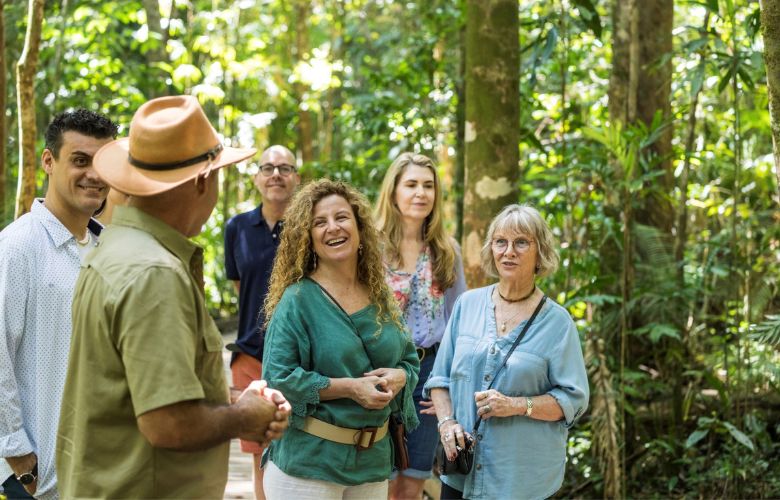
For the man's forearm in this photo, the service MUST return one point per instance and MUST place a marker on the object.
(194, 425)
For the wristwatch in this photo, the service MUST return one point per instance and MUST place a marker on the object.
(28, 477)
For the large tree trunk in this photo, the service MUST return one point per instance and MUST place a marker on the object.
(25, 92)
(492, 121)
(770, 26)
(639, 90)
(3, 128)
(305, 122)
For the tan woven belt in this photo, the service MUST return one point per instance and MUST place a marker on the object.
(362, 439)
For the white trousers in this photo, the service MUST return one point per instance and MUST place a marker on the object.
(280, 486)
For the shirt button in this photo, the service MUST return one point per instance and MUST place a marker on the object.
(487, 378)
(479, 466)
(479, 436)
(492, 350)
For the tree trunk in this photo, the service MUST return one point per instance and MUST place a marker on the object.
(25, 92)
(159, 54)
(639, 88)
(56, 63)
(460, 141)
(770, 26)
(305, 127)
(3, 128)
(492, 122)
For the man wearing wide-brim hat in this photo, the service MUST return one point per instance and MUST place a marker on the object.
(146, 411)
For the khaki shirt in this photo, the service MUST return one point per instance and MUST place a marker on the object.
(142, 339)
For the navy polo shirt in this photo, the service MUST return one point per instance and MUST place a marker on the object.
(250, 248)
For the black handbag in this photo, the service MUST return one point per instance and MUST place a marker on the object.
(464, 461)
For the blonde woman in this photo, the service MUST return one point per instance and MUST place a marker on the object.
(337, 346)
(424, 269)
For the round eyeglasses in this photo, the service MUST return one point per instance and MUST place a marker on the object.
(284, 169)
(520, 244)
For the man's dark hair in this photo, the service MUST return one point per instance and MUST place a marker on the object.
(79, 120)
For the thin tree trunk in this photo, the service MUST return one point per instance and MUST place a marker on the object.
(770, 26)
(3, 127)
(54, 65)
(25, 92)
(492, 119)
(460, 130)
(159, 54)
(305, 128)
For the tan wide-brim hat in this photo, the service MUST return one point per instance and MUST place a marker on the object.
(170, 142)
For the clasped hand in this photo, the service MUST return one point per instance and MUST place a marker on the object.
(378, 387)
(259, 395)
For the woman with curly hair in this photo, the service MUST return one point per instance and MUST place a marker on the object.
(337, 347)
(424, 269)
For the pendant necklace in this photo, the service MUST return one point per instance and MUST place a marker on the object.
(503, 324)
(512, 301)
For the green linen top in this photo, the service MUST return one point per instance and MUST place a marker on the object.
(142, 339)
(310, 340)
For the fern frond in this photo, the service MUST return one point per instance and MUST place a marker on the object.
(767, 332)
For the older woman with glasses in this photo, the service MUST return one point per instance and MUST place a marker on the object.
(512, 358)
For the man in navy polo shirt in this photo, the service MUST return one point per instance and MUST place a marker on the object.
(251, 240)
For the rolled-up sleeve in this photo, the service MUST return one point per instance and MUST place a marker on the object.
(440, 374)
(286, 364)
(569, 378)
(14, 280)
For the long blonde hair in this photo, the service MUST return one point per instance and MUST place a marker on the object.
(388, 221)
(295, 256)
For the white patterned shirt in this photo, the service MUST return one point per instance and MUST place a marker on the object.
(39, 264)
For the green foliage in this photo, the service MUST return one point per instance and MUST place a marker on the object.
(378, 78)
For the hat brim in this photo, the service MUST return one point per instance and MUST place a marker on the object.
(112, 164)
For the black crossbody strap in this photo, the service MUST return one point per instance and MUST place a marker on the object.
(512, 349)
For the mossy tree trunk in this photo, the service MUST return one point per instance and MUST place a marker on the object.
(770, 26)
(492, 122)
(25, 94)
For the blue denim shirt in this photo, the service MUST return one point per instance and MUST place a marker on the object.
(515, 457)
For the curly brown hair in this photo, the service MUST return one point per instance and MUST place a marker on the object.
(295, 256)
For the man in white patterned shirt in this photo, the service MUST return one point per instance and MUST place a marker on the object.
(40, 257)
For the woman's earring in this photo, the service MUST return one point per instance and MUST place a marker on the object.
(313, 260)
(538, 268)
(360, 250)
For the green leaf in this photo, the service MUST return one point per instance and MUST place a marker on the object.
(712, 5)
(696, 436)
(740, 436)
(590, 15)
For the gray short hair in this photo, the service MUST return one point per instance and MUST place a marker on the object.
(524, 219)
